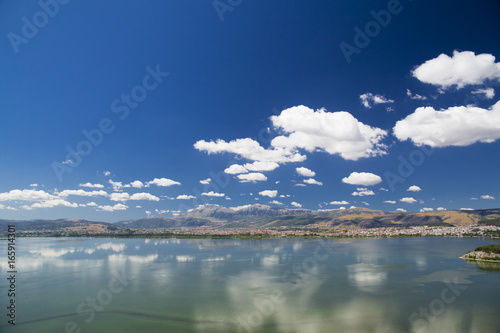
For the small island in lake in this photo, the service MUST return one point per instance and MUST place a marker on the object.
(484, 253)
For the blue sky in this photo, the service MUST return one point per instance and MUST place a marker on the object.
(403, 115)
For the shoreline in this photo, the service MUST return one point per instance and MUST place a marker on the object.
(481, 256)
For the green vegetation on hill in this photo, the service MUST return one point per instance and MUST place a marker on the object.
(495, 222)
(489, 249)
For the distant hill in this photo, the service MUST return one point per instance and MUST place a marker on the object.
(263, 216)
(60, 225)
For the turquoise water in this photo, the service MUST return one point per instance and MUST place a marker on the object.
(276, 285)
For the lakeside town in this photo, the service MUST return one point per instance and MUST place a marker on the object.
(352, 232)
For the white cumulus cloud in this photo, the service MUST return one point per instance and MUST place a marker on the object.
(361, 191)
(91, 185)
(54, 203)
(463, 68)
(26, 195)
(362, 178)
(369, 99)
(235, 169)
(249, 149)
(390, 202)
(487, 197)
(163, 182)
(332, 132)
(137, 184)
(261, 166)
(135, 196)
(456, 126)
(414, 188)
(252, 177)
(415, 96)
(312, 181)
(295, 204)
(489, 93)
(205, 181)
(305, 172)
(409, 200)
(185, 197)
(83, 193)
(343, 202)
(213, 194)
(108, 208)
(269, 193)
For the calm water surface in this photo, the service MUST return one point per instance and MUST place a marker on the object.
(277, 285)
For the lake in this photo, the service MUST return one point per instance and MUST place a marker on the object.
(271, 285)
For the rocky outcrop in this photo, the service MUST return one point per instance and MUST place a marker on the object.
(481, 256)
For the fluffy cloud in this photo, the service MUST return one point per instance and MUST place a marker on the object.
(488, 92)
(462, 69)
(252, 177)
(26, 195)
(54, 203)
(440, 209)
(369, 99)
(361, 191)
(415, 96)
(213, 194)
(269, 193)
(249, 149)
(205, 181)
(362, 178)
(83, 193)
(466, 209)
(91, 185)
(305, 172)
(334, 133)
(106, 173)
(135, 196)
(137, 184)
(343, 202)
(487, 197)
(390, 202)
(163, 182)
(116, 185)
(426, 209)
(108, 208)
(401, 210)
(144, 196)
(276, 202)
(312, 181)
(261, 166)
(185, 197)
(409, 200)
(295, 204)
(414, 188)
(235, 169)
(456, 126)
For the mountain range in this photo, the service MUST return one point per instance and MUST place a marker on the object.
(262, 216)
